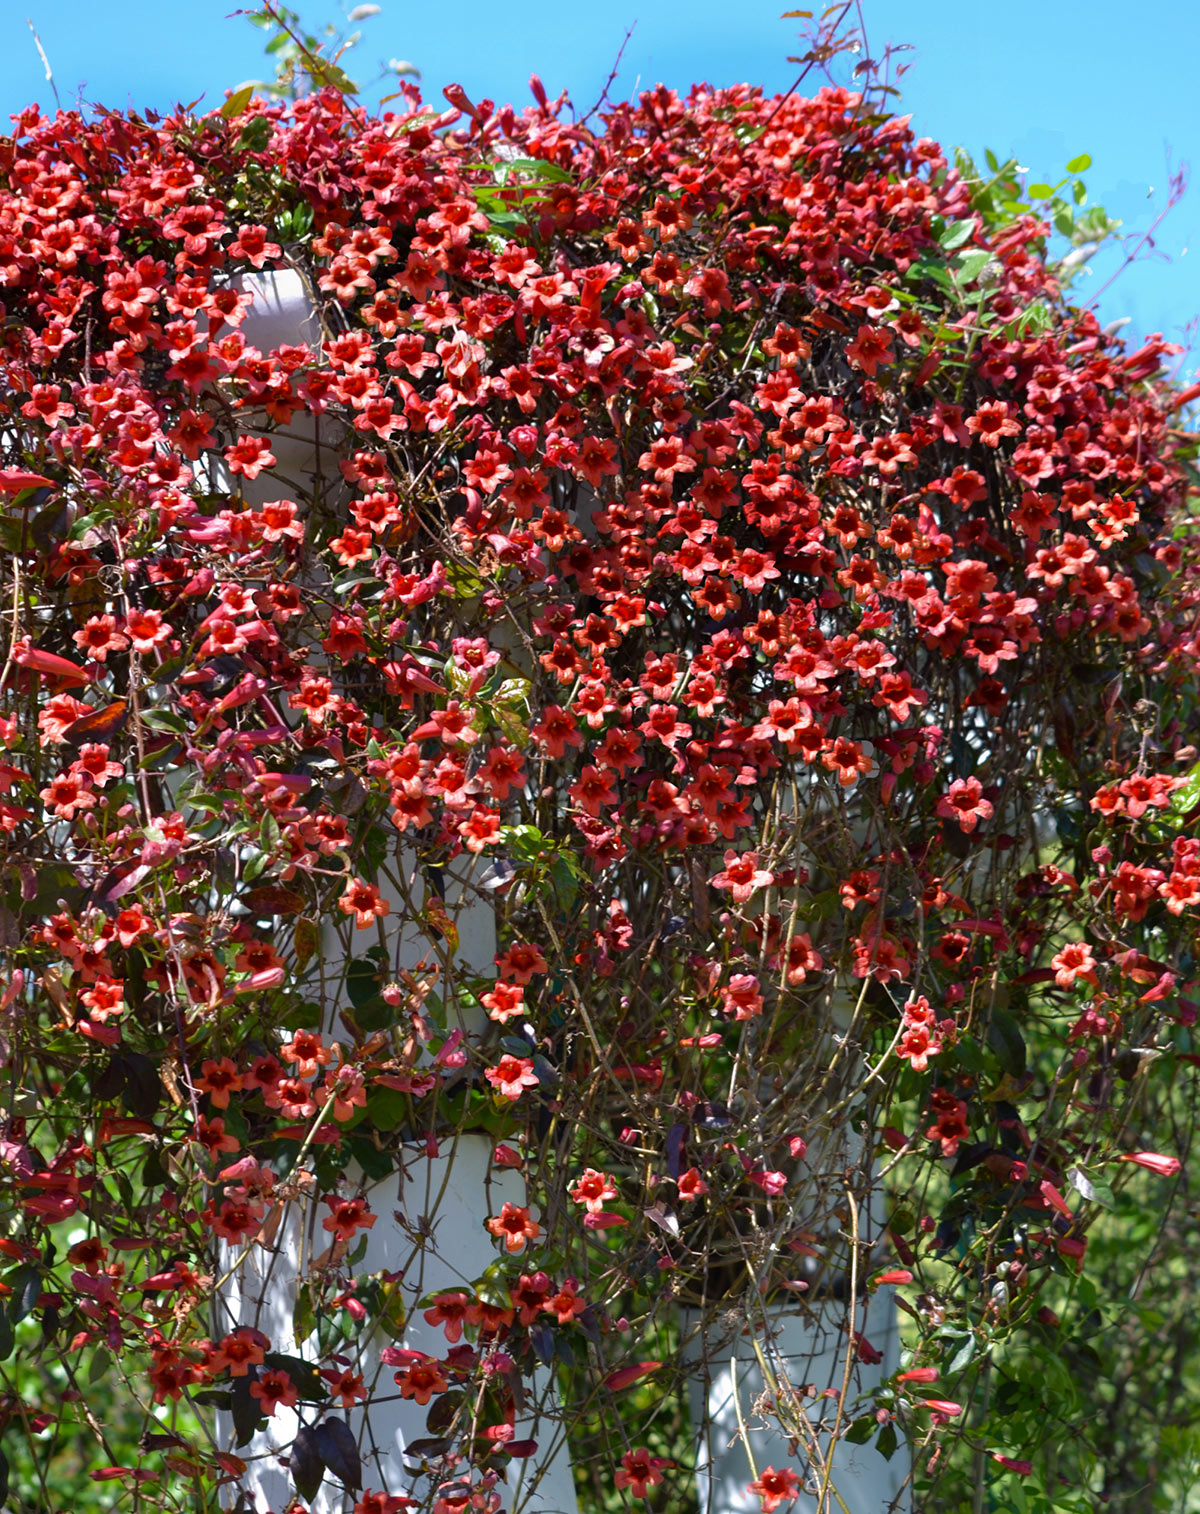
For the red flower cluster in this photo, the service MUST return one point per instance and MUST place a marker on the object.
(720, 544)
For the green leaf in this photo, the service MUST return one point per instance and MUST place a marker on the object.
(84, 524)
(506, 221)
(306, 1462)
(302, 219)
(930, 268)
(345, 585)
(513, 693)
(1082, 1183)
(962, 1356)
(329, 73)
(548, 173)
(443, 1412)
(1186, 796)
(565, 880)
(49, 525)
(465, 582)
(887, 1442)
(1080, 164)
(237, 103)
(1094, 1189)
(214, 1398)
(375, 1014)
(1005, 1038)
(1064, 218)
(1040, 191)
(971, 263)
(524, 842)
(26, 1283)
(303, 1315)
(422, 118)
(955, 234)
(386, 1108)
(246, 1411)
(338, 1449)
(492, 1287)
(1095, 223)
(376, 1164)
(208, 802)
(861, 1431)
(362, 981)
(255, 135)
(392, 1317)
(1037, 318)
(164, 720)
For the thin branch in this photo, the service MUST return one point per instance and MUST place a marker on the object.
(1176, 189)
(609, 81)
(37, 42)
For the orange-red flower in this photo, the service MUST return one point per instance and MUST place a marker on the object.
(639, 1471)
(272, 1388)
(514, 1227)
(239, 1351)
(347, 1216)
(421, 1379)
(776, 1487)
(365, 902)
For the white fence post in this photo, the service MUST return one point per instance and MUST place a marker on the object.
(429, 1227)
(805, 1347)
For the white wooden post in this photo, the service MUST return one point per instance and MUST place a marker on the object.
(804, 1346)
(429, 1229)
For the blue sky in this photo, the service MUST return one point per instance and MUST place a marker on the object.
(1038, 80)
